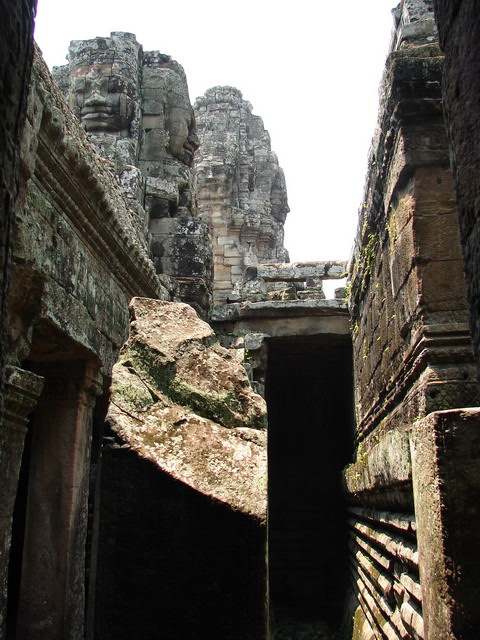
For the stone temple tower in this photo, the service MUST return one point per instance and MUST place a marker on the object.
(240, 187)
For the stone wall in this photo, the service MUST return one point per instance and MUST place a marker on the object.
(459, 29)
(411, 340)
(16, 56)
(78, 258)
(407, 292)
(240, 187)
(16, 49)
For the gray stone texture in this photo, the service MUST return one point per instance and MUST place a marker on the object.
(71, 273)
(184, 477)
(182, 401)
(446, 482)
(84, 208)
(246, 327)
(16, 54)
(22, 391)
(287, 281)
(76, 263)
(240, 187)
(407, 285)
(104, 93)
(301, 271)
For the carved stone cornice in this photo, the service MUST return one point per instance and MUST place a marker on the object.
(79, 182)
(22, 391)
(444, 353)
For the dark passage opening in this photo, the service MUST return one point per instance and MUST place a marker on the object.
(309, 391)
(173, 563)
(18, 538)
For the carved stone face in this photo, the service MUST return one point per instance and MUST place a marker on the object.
(182, 133)
(104, 99)
(167, 108)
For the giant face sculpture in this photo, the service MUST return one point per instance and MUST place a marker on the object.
(168, 114)
(183, 140)
(104, 83)
(104, 100)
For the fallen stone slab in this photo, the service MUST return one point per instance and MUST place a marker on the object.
(183, 402)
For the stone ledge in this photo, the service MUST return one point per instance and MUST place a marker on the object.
(277, 308)
(387, 463)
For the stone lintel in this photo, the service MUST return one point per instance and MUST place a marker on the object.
(280, 309)
(284, 319)
(299, 271)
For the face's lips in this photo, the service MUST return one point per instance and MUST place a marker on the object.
(97, 110)
(188, 153)
(189, 148)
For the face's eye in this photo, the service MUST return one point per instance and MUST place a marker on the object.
(115, 85)
(79, 85)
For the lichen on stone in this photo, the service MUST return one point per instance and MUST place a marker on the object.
(180, 400)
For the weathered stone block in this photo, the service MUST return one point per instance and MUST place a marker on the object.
(385, 464)
(445, 472)
(299, 271)
(181, 401)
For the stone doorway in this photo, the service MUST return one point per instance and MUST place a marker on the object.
(309, 392)
(47, 564)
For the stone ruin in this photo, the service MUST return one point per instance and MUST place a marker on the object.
(136, 481)
(134, 105)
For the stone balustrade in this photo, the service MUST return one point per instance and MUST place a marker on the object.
(298, 271)
(288, 281)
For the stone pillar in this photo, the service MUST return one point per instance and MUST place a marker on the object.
(446, 483)
(52, 590)
(22, 391)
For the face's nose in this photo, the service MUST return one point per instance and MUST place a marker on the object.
(95, 98)
(193, 139)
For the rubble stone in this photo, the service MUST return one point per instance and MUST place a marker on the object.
(183, 401)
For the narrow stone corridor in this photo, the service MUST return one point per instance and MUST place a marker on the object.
(309, 395)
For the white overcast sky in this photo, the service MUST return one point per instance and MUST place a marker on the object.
(310, 68)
